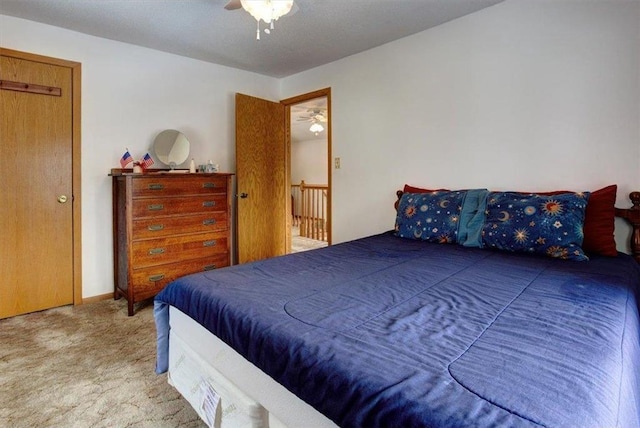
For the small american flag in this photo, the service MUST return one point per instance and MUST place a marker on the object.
(126, 159)
(147, 161)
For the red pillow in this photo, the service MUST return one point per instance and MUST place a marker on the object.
(599, 220)
(411, 189)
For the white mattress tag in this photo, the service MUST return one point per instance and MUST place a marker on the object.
(210, 400)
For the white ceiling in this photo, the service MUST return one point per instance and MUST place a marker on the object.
(321, 31)
(318, 32)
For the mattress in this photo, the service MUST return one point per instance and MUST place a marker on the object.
(384, 331)
(202, 366)
(216, 400)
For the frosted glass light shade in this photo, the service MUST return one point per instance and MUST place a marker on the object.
(267, 10)
(316, 128)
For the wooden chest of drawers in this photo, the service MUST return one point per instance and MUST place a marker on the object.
(166, 226)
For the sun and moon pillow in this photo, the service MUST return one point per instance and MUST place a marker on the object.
(555, 224)
(551, 225)
(433, 217)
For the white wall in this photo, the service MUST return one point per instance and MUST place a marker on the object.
(129, 94)
(526, 95)
(309, 161)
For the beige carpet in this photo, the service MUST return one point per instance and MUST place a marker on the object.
(300, 243)
(86, 366)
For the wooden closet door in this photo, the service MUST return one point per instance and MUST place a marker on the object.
(36, 209)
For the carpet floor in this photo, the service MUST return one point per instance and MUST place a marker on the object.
(86, 366)
(300, 243)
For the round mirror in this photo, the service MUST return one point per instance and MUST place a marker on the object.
(171, 147)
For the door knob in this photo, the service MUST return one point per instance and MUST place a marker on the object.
(62, 199)
(244, 195)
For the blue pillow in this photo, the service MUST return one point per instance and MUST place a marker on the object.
(549, 225)
(433, 217)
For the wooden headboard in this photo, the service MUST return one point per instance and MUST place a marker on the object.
(631, 215)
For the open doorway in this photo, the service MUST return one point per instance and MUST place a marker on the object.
(310, 175)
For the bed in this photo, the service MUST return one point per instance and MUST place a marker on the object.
(418, 330)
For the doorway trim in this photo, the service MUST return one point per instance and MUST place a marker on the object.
(76, 69)
(288, 102)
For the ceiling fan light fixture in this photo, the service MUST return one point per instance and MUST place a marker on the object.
(316, 128)
(268, 11)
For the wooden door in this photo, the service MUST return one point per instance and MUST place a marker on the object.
(262, 179)
(36, 208)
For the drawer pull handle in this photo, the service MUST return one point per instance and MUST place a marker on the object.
(209, 267)
(155, 251)
(209, 243)
(154, 278)
(208, 185)
(209, 204)
(156, 186)
(209, 221)
(155, 227)
(156, 207)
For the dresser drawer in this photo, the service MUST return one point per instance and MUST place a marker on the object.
(175, 186)
(166, 226)
(152, 252)
(161, 206)
(149, 281)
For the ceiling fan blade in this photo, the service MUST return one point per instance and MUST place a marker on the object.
(293, 11)
(233, 5)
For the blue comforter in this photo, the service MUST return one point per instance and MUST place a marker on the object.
(385, 331)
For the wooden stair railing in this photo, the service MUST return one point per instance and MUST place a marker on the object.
(309, 210)
(296, 205)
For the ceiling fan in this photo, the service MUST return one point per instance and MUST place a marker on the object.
(233, 5)
(268, 11)
(314, 115)
(237, 4)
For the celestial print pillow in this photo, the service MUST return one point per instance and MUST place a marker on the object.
(433, 217)
(550, 225)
